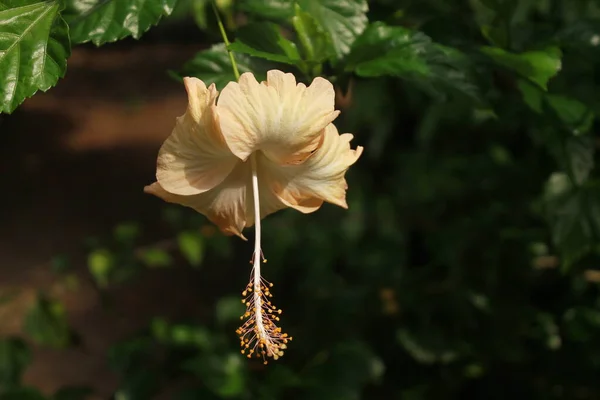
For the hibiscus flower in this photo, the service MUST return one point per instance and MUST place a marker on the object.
(255, 149)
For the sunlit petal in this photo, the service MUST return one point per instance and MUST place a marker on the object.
(224, 205)
(281, 118)
(320, 178)
(230, 204)
(194, 158)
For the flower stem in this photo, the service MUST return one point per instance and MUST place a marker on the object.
(236, 72)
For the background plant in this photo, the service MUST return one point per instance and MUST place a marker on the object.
(467, 263)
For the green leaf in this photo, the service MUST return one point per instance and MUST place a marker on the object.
(141, 383)
(316, 43)
(537, 66)
(185, 335)
(127, 232)
(102, 21)
(14, 358)
(101, 263)
(343, 20)
(201, 10)
(229, 309)
(582, 323)
(580, 156)
(223, 375)
(264, 40)
(532, 95)
(46, 323)
(574, 217)
(396, 51)
(350, 366)
(269, 9)
(34, 47)
(577, 117)
(156, 258)
(214, 66)
(181, 335)
(278, 378)
(131, 355)
(191, 245)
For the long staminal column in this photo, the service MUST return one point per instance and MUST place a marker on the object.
(259, 334)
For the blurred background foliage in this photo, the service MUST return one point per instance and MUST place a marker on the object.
(467, 265)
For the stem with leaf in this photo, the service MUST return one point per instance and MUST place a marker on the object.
(236, 72)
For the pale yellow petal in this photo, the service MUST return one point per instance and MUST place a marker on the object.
(320, 178)
(228, 205)
(224, 205)
(194, 158)
(281, 118)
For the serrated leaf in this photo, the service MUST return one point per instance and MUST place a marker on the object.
(264, 40)
(269, 9)
(46, 323)
(316, 43)
(343, 20)
(537, 66)
(34, 47)
(15, 356)
(191, 245)
(103, 21)
(214, 66)
(396, 51)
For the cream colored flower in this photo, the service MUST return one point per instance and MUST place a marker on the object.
(257, 149)
(300, 157)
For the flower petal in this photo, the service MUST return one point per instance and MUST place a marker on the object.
(279, 117)
(320, 178)
(194, 158)
(228, 205)
(269, 202)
